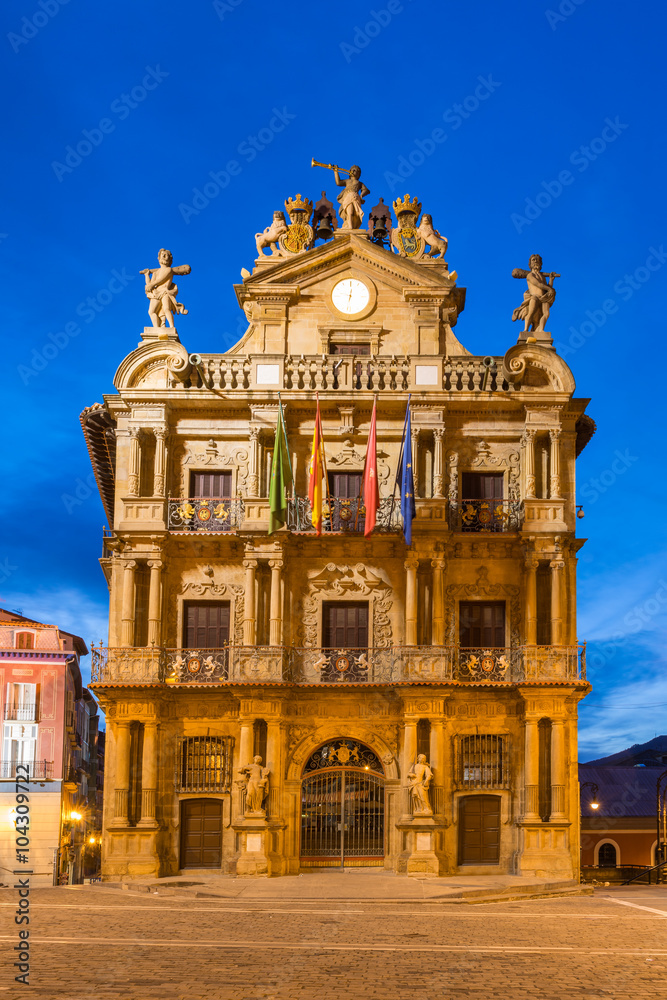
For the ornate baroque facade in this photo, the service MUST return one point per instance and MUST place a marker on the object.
(413, 708)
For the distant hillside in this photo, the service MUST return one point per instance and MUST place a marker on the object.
(651, 754)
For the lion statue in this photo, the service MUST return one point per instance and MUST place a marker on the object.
(271, 235)
(437, 243)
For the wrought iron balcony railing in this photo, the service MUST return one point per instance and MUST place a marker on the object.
(342, 514)
(324, 665)
(21, 713)
(485, 515)
(36, 769)
(205, 513)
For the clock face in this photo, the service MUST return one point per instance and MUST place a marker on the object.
(350, 296)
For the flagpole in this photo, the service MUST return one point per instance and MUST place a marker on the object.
(289, 461)
(324, 460)
(363, 474)
(400, 457)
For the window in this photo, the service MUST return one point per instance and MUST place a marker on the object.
(142, 584)
(481, 624)
(358, 349)
(482, 486)
(607, 856)
(20, 703)
(345, 501)
(481, 507)
(259, 739)
(214, 485)
(544, 777)
(204, 764)
(18, 747)
(345, 625)
(206, 625)
(543, 590)
(361, 376)
(136, 777)
(424, 738)
(482, 761)
(24, 640)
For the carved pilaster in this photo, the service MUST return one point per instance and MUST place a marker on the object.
(438, 438)
(453, 463)
(276, 614)
(554, 480)
(253, 461)
(411, 566)
(250, 620)
(528, 443)
(438, 638)
(135, 462)
(127, 627)
(160, 461)
(154, 602)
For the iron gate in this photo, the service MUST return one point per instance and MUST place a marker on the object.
(342, 809)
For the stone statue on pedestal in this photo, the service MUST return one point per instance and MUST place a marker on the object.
(257, 785)
(162, 291)
(539, 297)
(420, 779)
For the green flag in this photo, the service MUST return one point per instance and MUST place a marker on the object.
(281, 477)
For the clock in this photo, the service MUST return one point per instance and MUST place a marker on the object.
(350, 296)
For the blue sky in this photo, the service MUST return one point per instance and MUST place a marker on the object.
(522, 128)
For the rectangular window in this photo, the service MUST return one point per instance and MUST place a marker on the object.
(544, 787)
(142, 583)
(482, 762)
(482, 486)
(24, 640)
(19, 744)
(21, 703)
(345, 625)
(204, 764)
(344, 489)
(214, 485)
(206, 625)
(482, 624)
(358, 349)
(543, 586)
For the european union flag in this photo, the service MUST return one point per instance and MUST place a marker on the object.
(407, 480)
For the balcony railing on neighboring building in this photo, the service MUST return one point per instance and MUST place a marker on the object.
(344, 515)
(21, 713)
(36, 769)
(321, 665)
(205, 514)
(485, 515)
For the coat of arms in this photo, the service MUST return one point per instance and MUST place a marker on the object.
(299, 235)
(406, 238)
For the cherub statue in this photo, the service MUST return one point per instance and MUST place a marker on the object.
(352, 198)
(539, 297)
(257, 784)
(162, 291)
(420, 779)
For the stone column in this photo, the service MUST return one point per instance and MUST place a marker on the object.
(160, 462)
(532, 562)
(149, 776)
(135, 462)
(438, 637)
(438, 438)
(415, 459)
(154, 602)
(528, 442)
(437, 761)
(276, 613)
(556, 608)
(127, 614)
(250, 621)
(531, 771)
(411, 564)
(245, 756)
(253, 462)
(273, 760)
(121, 802)
(557, 769)
(554, 478)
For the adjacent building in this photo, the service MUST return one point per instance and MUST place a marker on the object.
(50, 724)
(287, 700)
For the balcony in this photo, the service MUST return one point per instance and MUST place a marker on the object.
(20, 713)
(205, 514)
(38, 769)
(317, 665)
(343, 515)
(485, 515)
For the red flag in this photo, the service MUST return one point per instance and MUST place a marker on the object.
(316, 474)
(369, 488)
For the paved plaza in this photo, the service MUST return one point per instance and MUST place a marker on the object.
(317, 937)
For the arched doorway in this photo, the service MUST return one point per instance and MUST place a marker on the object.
(342, 806)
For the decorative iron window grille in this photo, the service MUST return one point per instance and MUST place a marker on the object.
(482, 761)
(204, 764)
(344, 753)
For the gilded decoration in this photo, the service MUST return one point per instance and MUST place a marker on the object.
(353, 734)
(346, 582)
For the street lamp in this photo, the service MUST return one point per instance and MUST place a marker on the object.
(594, 804)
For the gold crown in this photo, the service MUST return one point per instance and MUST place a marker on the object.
(405, 205)
(298, 204)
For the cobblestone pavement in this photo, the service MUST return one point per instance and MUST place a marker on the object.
(105, 943)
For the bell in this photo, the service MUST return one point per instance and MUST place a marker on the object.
(379, 230)
(324, 230)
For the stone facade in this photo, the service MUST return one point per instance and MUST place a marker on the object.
(220, 640)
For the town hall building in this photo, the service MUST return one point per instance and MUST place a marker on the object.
(278, 701)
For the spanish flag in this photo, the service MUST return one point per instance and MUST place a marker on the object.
(316, 473)
(369, 488)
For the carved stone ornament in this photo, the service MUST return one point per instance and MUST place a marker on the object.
(349, 458)
(538, 298)
(161, 290)
(216, 590)
(482, 588)
(208, 456)
(346, 582)
(269, 238)
(432, 238)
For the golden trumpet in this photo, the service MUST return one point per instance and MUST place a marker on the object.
(328, 166)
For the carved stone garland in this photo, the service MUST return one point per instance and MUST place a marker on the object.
(210, 457)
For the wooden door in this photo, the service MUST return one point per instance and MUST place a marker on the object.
(345, 502)
(206, 624)
(482, 486)
(201, 833)
(479, 830)
(214, 485)
(345, 625)
(481, 624)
